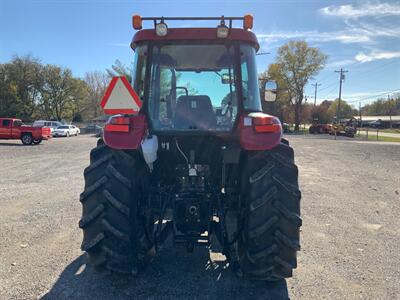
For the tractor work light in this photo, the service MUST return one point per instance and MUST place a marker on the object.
(137, 22)
(222, 31)
(248, 22)
(161, 29)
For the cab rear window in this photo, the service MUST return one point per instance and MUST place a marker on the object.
(17, 123)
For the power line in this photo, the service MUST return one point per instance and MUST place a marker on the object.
(327, 87)
(331, 91)
(358, 73)
(375, 95)
(331, 75)
(374, 69)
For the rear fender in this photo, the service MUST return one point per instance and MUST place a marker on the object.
(125, 139)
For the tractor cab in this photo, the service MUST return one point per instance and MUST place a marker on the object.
(196, 79)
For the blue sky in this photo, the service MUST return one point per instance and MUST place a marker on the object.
(363, 37)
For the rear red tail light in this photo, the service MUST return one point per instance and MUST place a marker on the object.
(120, 120)
(262, 122)
(267, 128)
(118, 124)
(259, 131)
(269, 124)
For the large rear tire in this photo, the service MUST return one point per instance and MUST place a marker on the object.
(269, 238)
(117, 235)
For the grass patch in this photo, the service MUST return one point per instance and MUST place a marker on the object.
(380, 138)
(302, 130)
(393, 130)
(390, 130)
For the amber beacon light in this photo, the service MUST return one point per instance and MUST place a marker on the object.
(137, 22)
(248, 21)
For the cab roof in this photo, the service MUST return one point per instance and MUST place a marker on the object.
(11, 119)
(196, 34)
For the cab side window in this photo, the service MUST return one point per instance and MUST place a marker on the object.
(6, 123)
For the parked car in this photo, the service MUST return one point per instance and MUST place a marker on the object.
(51, 124)
(286, 128)
(66, 130)
(377, 124)
(93, 129)
(13, 129)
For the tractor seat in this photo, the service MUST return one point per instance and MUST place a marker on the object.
(194, 112)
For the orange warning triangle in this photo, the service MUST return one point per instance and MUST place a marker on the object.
(120, 98)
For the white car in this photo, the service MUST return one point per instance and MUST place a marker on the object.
(66, 130)
(53, 125)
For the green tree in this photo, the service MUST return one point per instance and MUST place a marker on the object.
(296, 64)
(21, 82)
(10, 103)
(63, 95)
(346, 110)
(322, 114)
(383, 107)
(282, 106)
(79, 104)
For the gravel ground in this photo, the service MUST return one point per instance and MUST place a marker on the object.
(350, 234)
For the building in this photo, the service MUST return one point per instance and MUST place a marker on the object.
(378, 121)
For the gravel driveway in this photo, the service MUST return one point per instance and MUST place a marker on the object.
(350, 234)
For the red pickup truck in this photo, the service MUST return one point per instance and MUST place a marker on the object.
(12, 129)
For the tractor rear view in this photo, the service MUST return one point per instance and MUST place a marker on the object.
(188, 154)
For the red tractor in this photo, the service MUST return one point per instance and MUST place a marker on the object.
(197, 157)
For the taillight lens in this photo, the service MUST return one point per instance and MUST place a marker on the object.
(120, 120)
(118, 124)
(262, 122)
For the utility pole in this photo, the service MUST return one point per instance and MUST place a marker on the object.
(359, 109)
(315, 92)
(340, 91)
(390, 110)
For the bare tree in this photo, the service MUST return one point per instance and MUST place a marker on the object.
(97, 82)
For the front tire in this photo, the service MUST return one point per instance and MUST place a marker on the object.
(269, 238)
(36, 142)
(117, 234)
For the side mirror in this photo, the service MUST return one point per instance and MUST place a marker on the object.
(270, 91)
(226, 79)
